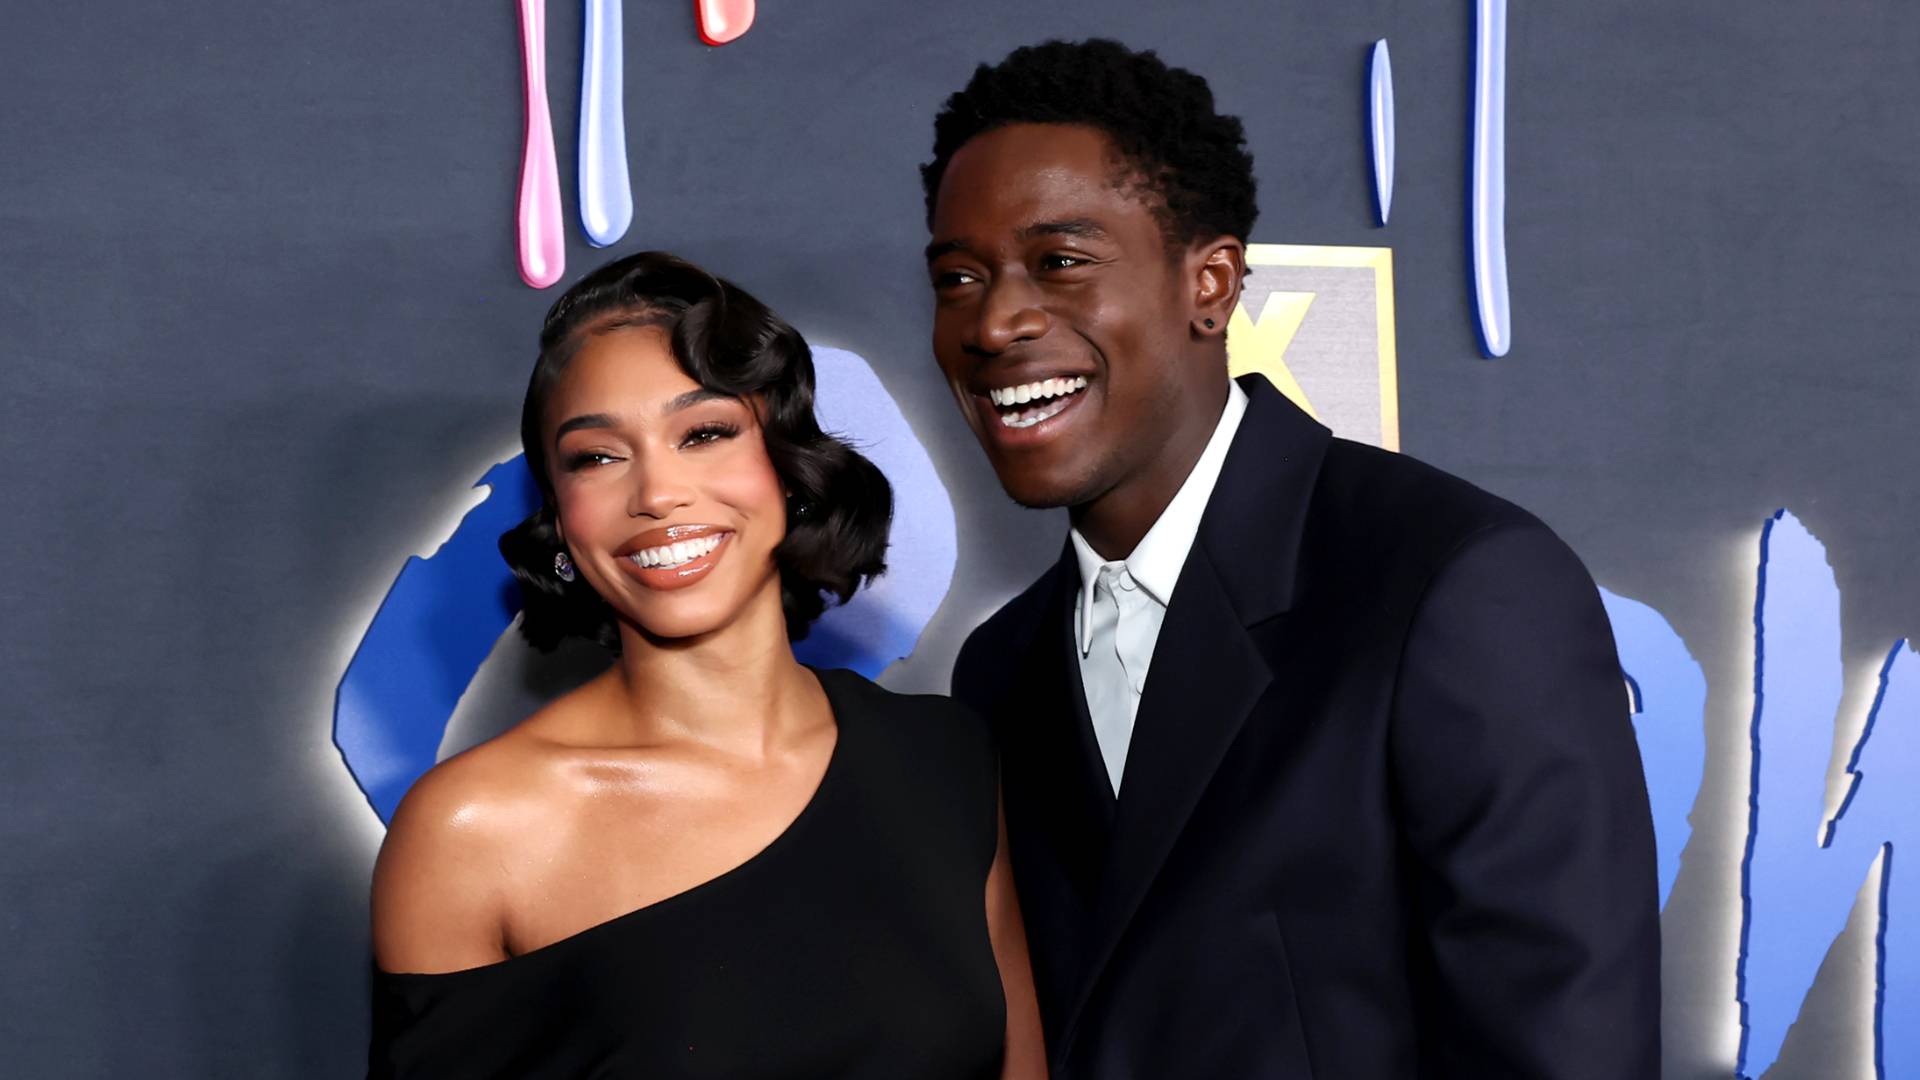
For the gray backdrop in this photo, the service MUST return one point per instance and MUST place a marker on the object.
(262, 329)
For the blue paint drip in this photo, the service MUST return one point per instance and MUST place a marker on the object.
(444, 613)
(1380, 117)
(606, 195)
(1669, 697)
(1802, 872)
(1488, 209)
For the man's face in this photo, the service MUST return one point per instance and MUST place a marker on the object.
(1061, 317)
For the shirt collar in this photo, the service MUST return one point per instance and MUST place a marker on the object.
(1156, 561)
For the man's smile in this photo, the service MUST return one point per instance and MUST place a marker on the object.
(1026, 404)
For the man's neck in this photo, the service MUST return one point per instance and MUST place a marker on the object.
(1114, 522)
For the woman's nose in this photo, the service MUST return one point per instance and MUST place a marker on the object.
(659, 489)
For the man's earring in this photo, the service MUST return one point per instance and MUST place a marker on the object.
(563, 566)
(1209, 323)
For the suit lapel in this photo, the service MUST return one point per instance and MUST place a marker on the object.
(1206, 677)
(1055, 771)
(1207, 672)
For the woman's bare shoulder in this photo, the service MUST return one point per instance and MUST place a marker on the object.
(441, 885)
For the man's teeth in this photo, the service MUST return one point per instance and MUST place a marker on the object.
(676, 553)
(1053, 392)
(1026, 418)
(1036, 391)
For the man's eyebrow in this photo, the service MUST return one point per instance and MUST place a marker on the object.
(1084, 228)
(581, 422)
(942, 247)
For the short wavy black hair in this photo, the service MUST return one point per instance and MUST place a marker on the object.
(1189, 158)
(840, 506)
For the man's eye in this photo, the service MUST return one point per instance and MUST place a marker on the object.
(952, 279)
(1061, 262)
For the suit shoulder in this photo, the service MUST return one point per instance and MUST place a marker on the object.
(1384, 485)
(992, 647)
(1375, 499)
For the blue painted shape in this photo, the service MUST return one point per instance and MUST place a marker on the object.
(1801, 872)
(882, 624)
(1380, 117)
(428, 638)
(1669, 699)
(1488, 204)
(606, 194)
(443, 614)
(1878, 816)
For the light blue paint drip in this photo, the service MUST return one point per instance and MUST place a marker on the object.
(1489, 209)
(1380, 109)
(1802, 872)
(444, 613)
(606, 194)
(1669, 698)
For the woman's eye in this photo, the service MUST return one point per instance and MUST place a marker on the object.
(709, 433)
(587, 459)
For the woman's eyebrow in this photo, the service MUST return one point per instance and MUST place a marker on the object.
(692, 398)
(585, 420)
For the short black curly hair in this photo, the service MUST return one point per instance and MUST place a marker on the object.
(1191, 159)
(726, 341)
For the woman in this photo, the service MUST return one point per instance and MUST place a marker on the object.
(710, 860)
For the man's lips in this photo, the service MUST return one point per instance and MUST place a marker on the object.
(1024, 413)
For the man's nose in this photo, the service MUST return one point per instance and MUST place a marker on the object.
(1010, 313)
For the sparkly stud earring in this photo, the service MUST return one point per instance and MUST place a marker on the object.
(1209, 323)
(562, 566)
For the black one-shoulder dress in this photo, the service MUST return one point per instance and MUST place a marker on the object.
(854, 946)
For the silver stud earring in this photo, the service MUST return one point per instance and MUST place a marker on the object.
(563, 566)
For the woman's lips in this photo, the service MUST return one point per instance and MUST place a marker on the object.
(674, 557)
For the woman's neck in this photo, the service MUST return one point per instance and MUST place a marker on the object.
(737, 687)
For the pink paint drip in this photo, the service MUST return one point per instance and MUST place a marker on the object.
(722, 21)
(543, 249)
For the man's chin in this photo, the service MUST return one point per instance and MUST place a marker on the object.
(1046, 492)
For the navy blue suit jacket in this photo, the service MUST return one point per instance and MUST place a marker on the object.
(1382, 814)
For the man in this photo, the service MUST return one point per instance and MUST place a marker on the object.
(1316, 760)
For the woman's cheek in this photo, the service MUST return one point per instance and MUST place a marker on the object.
(751, 486)
(583, 513)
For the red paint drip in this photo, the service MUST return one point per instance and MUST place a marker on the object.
(722, 21)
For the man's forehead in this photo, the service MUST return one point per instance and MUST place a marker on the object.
(1021, 197)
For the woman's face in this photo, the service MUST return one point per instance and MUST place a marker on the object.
(667, 499)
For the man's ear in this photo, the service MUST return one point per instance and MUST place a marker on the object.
(1218, 267)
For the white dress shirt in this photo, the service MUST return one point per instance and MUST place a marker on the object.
(1123, 603)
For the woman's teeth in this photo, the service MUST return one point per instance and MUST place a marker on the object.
(1052, 393)
(671, 555)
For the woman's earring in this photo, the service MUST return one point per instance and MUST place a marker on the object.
(799, 507)
(1209, 323)
(563, 566)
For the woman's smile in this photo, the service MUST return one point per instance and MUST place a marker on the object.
(675, 556)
